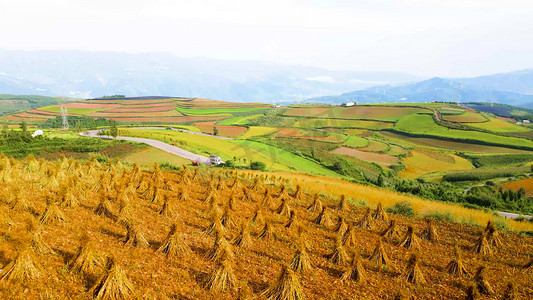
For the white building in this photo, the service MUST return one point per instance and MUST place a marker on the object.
(351, 103)
(36, 133)
(215, 160)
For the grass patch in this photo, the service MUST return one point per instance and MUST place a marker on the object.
(440, 216)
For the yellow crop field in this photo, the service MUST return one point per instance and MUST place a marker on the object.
(421, 162)
(498, 125)
(258, 131)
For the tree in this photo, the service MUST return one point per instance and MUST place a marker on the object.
(113, 130)
(215, 130)
(257, 165)
(381, 181)
(24, 126)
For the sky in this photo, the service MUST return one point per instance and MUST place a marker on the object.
(451, 38)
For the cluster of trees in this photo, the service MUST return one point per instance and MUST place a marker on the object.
(11, 136)
(487, 196)
(76, 123)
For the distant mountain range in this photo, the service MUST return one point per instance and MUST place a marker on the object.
(93, 74)
(515, 88)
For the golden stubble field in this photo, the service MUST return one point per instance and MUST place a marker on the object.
(80, 230)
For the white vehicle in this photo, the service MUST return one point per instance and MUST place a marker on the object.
(215, 160)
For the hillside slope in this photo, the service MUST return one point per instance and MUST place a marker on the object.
(124, 216)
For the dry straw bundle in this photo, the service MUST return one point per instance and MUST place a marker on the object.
(222, 276)
(300, 261)
(316, 205)
(24, 267)
(343, 204)
(173, 245)
(482, 283)
(243, 240)
(413, 273)
(341, 227)
(410, 240)
(456, 266)
(430, 233)
(380, 213)
(391, 231)
(87, 260)
(113, 284)
(134, 237)
(365, 221)
(356, 272)
(379, 256)
(482, 245)
(339, 255)
(286, 288)
(324, 218)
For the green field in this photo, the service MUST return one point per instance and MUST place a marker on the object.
(362, 112)
(425, 126)
(497, 125)
(340, 123)
(356, 142)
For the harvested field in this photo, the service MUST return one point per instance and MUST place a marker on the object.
(90, 105)
(108, 114)
(156, 275)
(146, 158)
(173, 120)
(381, 159)
(527, 184)
(420, 162)
(258, 131)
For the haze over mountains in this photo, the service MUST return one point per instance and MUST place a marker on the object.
(93, 74)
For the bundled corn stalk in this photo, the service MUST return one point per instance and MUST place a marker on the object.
(222, 276)
(510, 292)
(413, 273)
(481, 282)
(430, 233)
(87, 260)
(286, 288)
(284, 208)
(456, 266)
(348, 239)
(133, 236)
(482, 245)
(227, 219)
(23, 268)
(52, 214)
(221, 248)
(244, 239)
(300, 261)
(341, 226)
(380, 213)
(267, 232)
(365, 221)
(339, 255)
(113, 284)
(493, 236)
(104, 207)
(173, 245)
(472, 292)
(391, 231)
(267, 199)
(316, 205)
(343, 204)
(410, 240)
(379, 256)
(356, 272)
(293, 220)
(324, 218)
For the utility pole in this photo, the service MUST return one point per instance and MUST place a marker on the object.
(64, 117)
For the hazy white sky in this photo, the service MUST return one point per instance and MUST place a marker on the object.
(424, 37)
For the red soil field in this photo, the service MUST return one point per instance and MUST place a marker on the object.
(42, 112)
(139, 109)
(223, 130)
(90, 105)
(164, 119)
(107, 114)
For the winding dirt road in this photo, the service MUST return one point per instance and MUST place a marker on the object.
(157, 144)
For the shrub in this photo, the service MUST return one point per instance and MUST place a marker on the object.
(440, 216)
(168, 166)
(403, 208)
(257, 165)
(229, 163)
(100, 157)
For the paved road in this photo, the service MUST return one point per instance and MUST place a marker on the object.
(509, 215)
(163, 146)
(186, 131)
